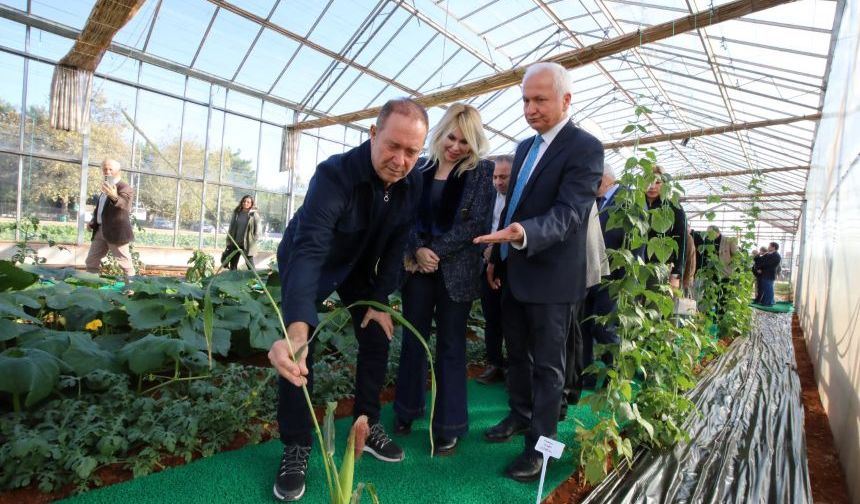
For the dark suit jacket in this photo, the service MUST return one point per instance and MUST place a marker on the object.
(116, 224)
(553, 209)
(460, 260)
(338, 240)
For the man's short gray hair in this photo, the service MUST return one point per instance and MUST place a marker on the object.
(608, 170)
(560, 77)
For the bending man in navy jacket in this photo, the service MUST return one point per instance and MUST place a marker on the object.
(348, 236)
(540, 261)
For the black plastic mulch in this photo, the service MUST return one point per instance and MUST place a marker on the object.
(748, 445)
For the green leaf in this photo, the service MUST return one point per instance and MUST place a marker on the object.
(28, 371)
(595, 469)
(146, 314)
(9, 329)
(13, 278)
(193, 332)
(66, 296)
(662, 218)
(631, 162)
(661, 247)
(628, 128)
(152, 353)
(9, 309)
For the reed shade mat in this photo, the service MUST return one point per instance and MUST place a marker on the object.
(473, 474)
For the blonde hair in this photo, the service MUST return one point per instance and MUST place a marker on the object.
(468, 119)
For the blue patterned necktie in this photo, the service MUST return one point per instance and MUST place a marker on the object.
(522, 180)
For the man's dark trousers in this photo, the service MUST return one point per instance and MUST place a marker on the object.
(294, 419)
(535, 332)
(491, 305)
(598, 302)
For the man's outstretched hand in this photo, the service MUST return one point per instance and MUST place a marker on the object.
(294, 370)
(511, 234)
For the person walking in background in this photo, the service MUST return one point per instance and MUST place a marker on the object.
(349, 236)
(442, 268)
(768, 268)
(111, 224)
(491, 300)
(244, 230)
(678, 259)
(540, 263)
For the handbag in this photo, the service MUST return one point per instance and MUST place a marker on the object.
(685, 306)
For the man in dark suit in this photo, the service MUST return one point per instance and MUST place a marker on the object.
(491, 300)
(110, 223)
(349, 236)
(541, 259)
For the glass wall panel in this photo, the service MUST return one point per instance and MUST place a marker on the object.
(216, 131)
(159, 118)
(190, 196)
(50, 190)
(240, 150)
(271, 178)
(8, 187)
(12, 69)
(193, 140)
(158, 199)
(273, 210)
(39, 137)
(110, 131)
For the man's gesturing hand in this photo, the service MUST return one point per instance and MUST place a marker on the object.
(511, 234)
(381, 318)
(295, 371)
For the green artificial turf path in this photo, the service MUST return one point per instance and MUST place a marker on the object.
(473, 474)
(778, 307)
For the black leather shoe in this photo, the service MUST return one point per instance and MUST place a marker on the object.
(526, 467)
(505, 430)
(444, 446)
(402, 427)
(493, 374)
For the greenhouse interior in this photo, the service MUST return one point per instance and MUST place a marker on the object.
(429, 251)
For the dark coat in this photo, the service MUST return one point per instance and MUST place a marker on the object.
(116, 222)
(769, 264)
(252, 232)
(337, 239)
(613, 239)
(466, 211)
(553, 210)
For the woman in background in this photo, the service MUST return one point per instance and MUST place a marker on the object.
(678, 259)
(245, 231)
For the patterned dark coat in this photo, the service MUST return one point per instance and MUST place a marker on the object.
(471, 198)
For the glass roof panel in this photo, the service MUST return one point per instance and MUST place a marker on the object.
(179, 29)
(49, 45)
(266, 60)
(302, 73)
(226, 44)
(298, 16)
(340, 23)
(133, 34)
(259, 7)
(73, 13)
(12, 34)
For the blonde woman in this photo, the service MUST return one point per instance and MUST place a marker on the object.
(443, 269)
